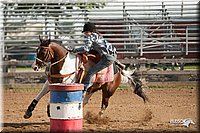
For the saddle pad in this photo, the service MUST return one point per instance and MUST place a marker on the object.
(105, 75)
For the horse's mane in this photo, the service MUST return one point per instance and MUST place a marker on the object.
(58, 42)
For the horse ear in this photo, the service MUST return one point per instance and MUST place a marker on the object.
(49, 38)
(40, 39)
(49, 41)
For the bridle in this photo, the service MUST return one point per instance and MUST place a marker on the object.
(47, 57)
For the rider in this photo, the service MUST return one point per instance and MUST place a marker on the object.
(94, 41)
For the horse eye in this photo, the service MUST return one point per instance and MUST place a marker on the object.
(39, 50)
(43, 50)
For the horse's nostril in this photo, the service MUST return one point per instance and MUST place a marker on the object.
(35, 68)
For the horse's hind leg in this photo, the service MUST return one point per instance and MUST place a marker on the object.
(139, 90)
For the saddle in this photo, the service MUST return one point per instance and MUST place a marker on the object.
(105, 75)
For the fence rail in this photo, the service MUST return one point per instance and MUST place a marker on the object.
(37, 79)
(42, 74)
(126, 61)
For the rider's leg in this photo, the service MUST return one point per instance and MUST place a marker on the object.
(103, 63)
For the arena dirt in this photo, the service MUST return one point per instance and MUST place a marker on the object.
(126, 111)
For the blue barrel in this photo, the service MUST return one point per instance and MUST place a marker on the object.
(66, 107)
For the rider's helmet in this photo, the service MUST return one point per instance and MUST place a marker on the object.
(89, 27)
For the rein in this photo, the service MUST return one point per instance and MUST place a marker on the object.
(59, 75)
(48, 68)
(48, 72)
(50, 53)
(52, 63)
(49, 75)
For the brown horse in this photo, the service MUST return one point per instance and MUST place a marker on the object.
(63, 68)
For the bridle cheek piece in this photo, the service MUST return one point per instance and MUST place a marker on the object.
(48, 55)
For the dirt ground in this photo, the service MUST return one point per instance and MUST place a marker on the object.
(126, 111)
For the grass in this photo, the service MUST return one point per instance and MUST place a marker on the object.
(33, 89)
(124, 86)
(26, 69)
(172, 86)
(186, 66)
(192, 67)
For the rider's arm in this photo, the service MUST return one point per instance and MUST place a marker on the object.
(88, 44)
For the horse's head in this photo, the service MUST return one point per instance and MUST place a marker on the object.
(44, 54)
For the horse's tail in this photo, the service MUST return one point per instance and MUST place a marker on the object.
(135, 82)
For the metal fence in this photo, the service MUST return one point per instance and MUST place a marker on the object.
(135, 28)
(140, 28)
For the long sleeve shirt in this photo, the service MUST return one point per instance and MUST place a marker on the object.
(98, 43)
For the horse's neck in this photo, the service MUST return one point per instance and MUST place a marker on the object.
(59, 53)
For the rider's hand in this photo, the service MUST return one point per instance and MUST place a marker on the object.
(71, 49)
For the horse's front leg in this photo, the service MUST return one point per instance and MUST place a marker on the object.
(105, 98)
(45, 90)
(108, 90)
(86, 98)
(89, 93)
(104, 105)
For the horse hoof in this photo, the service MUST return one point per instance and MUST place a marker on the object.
(48, 111)
(101, 114)
(27, 114)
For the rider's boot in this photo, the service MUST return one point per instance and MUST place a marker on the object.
(31, 107)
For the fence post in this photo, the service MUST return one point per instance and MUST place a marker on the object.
(66, 108)
(186, 42)
(141, 42)
(2, 55)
